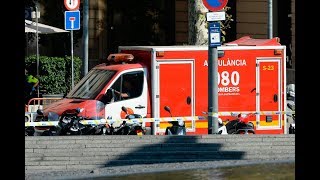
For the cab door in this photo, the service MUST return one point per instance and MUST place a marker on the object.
(136, 104)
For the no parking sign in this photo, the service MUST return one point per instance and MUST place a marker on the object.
(215, 5)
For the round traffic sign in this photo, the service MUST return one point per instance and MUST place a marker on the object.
(215, 5)
(72, 5)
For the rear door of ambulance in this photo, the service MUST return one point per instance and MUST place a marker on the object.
(268, 99)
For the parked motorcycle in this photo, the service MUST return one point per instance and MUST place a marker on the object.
(126, 128)
(177, 128)
(240, 125)
(222, 128)
(45, 130)
(69, 122)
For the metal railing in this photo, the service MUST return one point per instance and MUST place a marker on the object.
(39, 103)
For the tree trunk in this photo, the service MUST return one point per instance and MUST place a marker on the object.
(198, 31)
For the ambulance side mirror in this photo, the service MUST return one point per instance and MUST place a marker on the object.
(124, 109)
(108, 97)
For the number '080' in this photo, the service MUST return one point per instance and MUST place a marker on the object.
(226, 78)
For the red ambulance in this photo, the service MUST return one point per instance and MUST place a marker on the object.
(251, 78)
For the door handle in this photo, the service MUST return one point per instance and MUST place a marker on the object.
(275, 98)
(188, 100)
(139, 107)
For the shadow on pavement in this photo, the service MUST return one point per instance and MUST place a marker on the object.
(176, 149)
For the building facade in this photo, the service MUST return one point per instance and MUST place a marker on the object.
(113, 23)
(158, 22)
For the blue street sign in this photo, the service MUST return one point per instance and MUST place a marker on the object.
(72, 20)
(214, 34)
(215, 5)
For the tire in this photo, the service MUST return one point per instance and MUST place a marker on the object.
(246, 132)
(168, 131)
(148, 131)
(232, 131)
(251, 124)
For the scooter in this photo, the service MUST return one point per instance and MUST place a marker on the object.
(45, 130)
(222, 128)
(70, 121)
(70, 124)
(240, 125)
(177, 128)
(126, 128)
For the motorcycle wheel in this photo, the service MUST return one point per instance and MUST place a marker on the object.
(181, 131)
(168, 131)
(232, 131)
(47, 133)
(248, 132)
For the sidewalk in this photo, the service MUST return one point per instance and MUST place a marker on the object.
(133, 169)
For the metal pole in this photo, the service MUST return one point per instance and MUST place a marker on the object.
(270, 33)
(37, 39)
(72, 83)
(85, 36)
(27, 45)
(213, 90)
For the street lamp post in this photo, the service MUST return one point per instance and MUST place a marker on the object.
(37, 39)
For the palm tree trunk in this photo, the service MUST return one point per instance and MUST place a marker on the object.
(198, 31)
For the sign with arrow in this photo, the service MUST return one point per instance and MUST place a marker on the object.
(72, 5)
(72, 20)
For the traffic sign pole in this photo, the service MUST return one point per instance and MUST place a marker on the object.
(214, 41)
(72, 22)
(72, 76)
(73, 7)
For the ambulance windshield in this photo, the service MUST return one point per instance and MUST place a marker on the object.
(91, 85)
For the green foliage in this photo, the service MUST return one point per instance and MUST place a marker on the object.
(52, 13)
(225, 25)
(55, 73)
